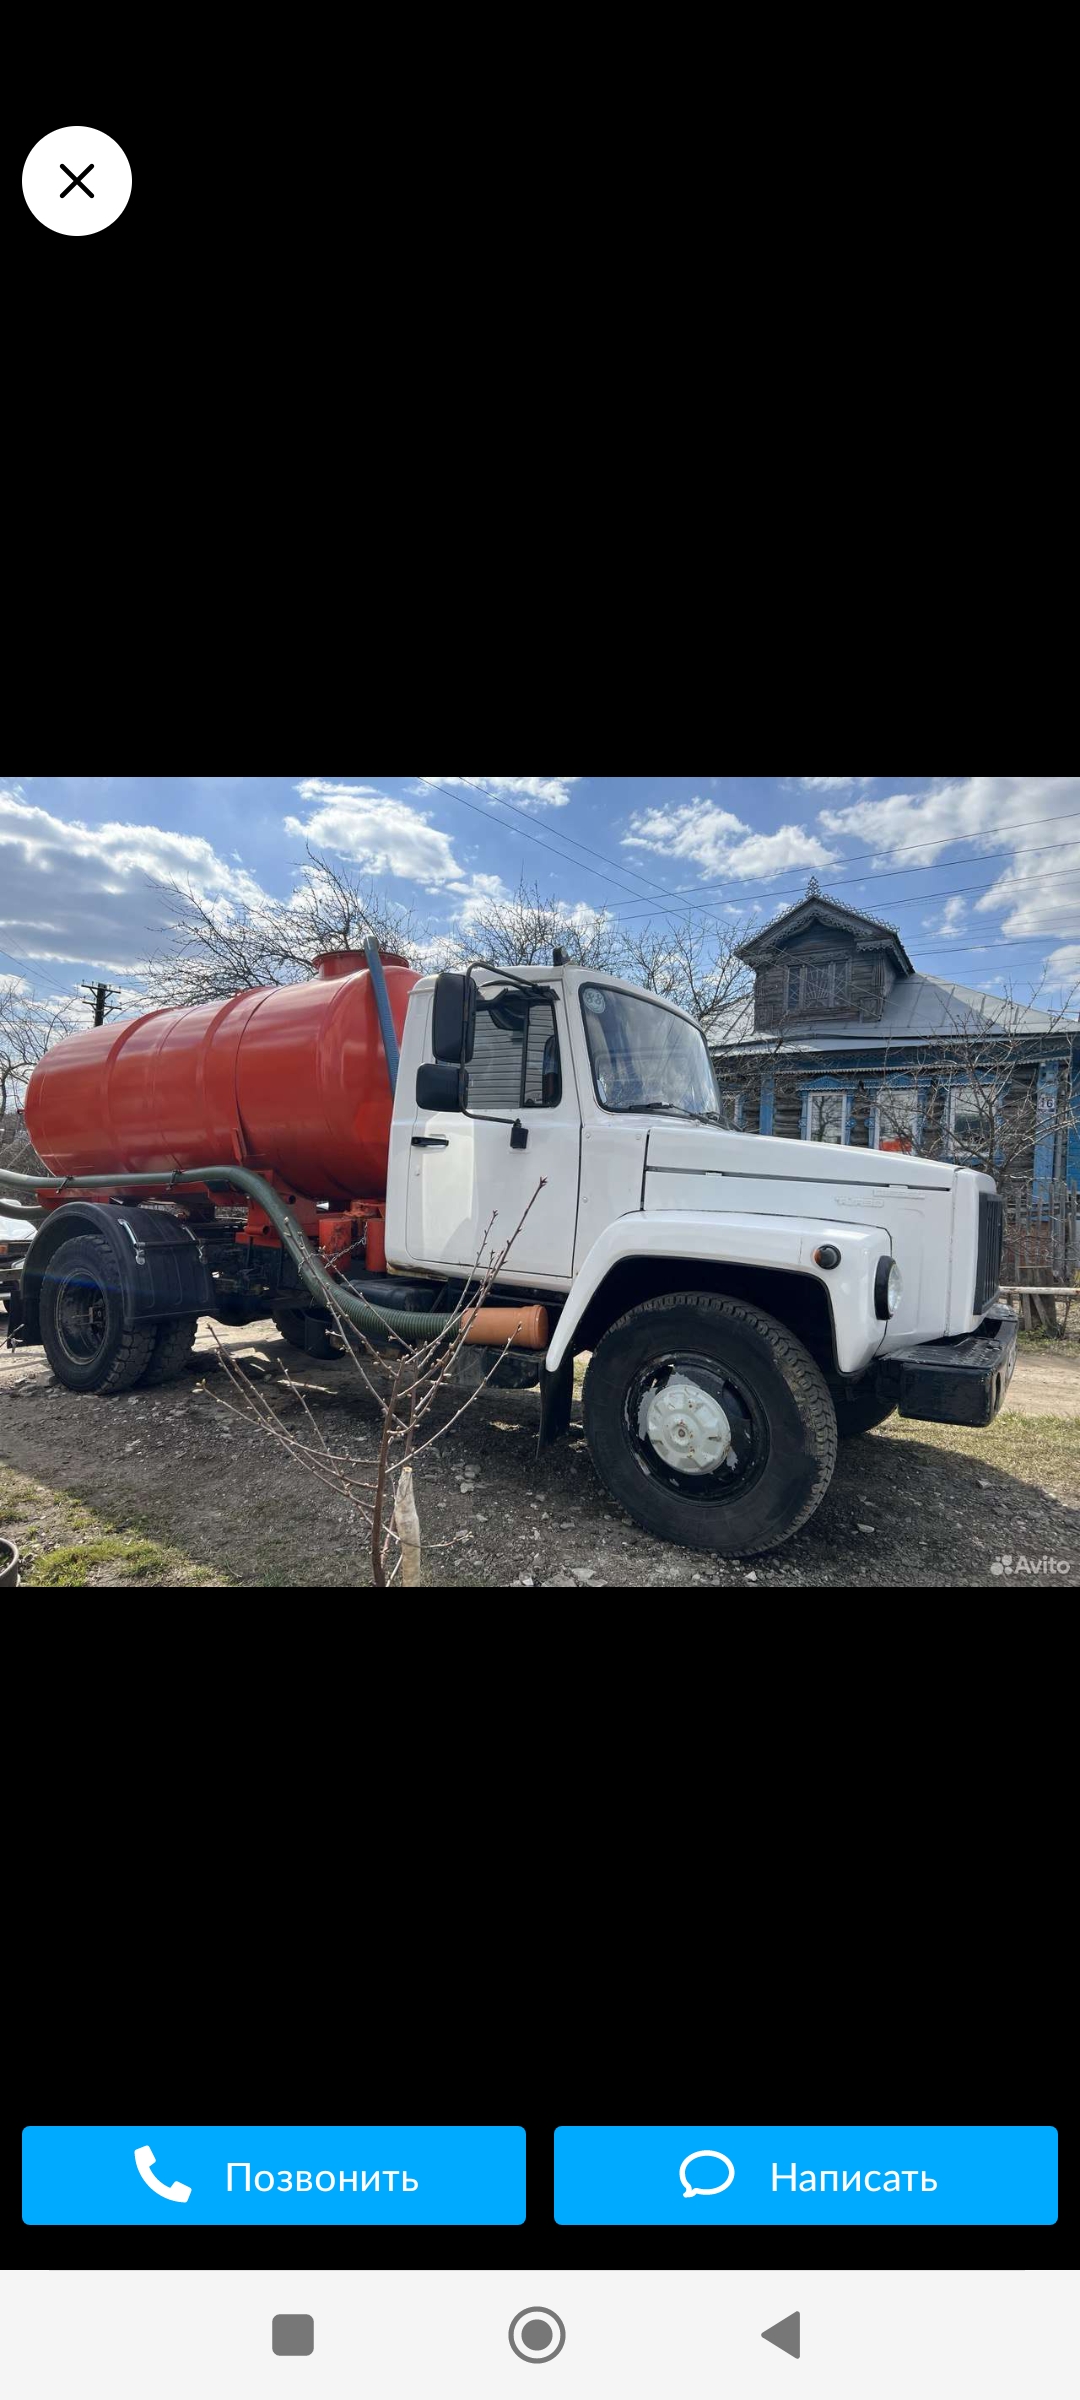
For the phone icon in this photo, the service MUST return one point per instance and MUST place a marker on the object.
(144, 2160)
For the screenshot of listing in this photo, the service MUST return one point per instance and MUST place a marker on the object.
(862, 2262)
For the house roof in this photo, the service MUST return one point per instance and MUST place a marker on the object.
(871, 933)
(918, 1009)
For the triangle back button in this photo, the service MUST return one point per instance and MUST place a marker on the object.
(785, 2335)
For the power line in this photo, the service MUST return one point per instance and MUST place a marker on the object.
(999, 941)
(499, 799)
(1015, 850)
(528, 837)
(750, 891)
(947, 892)
(941, 841)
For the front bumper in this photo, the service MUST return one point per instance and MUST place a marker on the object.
(959, 1381)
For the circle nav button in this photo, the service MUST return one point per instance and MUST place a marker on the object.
(537, 2335)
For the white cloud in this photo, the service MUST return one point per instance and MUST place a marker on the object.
(1037, 894)
(832, 783)
(76, 892)
(1063, 969)
(377, 832)
(549, 791)
(706, 835)
(969, 810)
(476, 892)
(951, 918)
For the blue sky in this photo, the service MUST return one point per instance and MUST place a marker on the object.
(79, 856)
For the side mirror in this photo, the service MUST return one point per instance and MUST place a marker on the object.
(453, 1019)
(441, 1086)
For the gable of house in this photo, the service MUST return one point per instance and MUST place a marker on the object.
(824, 962)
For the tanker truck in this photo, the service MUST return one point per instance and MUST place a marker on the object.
(352, 1146)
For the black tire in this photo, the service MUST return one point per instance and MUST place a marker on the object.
(859, 1412)
(174, 1340)
(85, 1339)
(780, 1417)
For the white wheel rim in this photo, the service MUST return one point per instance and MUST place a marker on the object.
(687, 1428)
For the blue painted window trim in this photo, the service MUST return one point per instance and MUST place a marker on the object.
(901, 1083)
(821, 1084)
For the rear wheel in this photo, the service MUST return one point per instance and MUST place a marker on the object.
(710, 1422)
(174, 1340)
(85, 1339)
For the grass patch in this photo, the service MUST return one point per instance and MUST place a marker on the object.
(62, 1542)
(1040, 1450)
(142, 1561)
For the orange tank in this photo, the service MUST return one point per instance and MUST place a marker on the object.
(292, 1081)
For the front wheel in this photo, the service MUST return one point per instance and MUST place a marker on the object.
(710, 1423)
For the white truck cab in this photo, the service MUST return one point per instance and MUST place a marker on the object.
(743, 1298)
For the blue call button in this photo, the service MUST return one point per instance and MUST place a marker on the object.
(806, 2175)
(273, 2175)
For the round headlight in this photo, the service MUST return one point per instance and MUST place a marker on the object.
(888, 1287)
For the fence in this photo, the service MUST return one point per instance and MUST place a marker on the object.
(1042, 1233)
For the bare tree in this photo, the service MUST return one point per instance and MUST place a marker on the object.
(692, 958)
(28, 1028)
(216, 948)
(404, 1381)
(526, 929)
(982, 1100)
(970, 1093)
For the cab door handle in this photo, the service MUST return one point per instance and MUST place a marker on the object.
(431, 1141)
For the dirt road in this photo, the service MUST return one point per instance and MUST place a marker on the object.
(910, 1505)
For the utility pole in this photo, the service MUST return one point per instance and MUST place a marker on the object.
(100, 994)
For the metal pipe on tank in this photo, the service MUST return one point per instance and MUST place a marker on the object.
(382, 1003)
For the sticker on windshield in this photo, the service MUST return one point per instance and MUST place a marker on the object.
(593, 999)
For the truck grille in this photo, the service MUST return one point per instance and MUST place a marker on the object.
(988, 1262)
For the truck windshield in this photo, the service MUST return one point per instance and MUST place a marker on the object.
(644, 1057)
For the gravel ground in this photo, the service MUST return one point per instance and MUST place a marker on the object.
(910, 1505)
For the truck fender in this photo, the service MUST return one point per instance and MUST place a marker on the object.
(747, 1241)
(159, 1264)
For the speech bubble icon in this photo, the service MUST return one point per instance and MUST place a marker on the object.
(705, 2191)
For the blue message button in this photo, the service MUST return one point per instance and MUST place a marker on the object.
(273, 2175)
(721, 2175)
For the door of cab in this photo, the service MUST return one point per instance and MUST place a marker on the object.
(468, 1186)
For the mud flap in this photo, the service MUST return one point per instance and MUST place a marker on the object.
(556, 1402)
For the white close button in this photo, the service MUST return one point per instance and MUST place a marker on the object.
(77, 180)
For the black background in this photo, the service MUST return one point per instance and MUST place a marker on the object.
(279, 1889)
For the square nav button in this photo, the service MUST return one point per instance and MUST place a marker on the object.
(294, 2337)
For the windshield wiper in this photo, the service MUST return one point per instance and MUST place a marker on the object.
(668, 1108)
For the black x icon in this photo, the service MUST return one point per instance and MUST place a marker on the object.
(76, 179)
